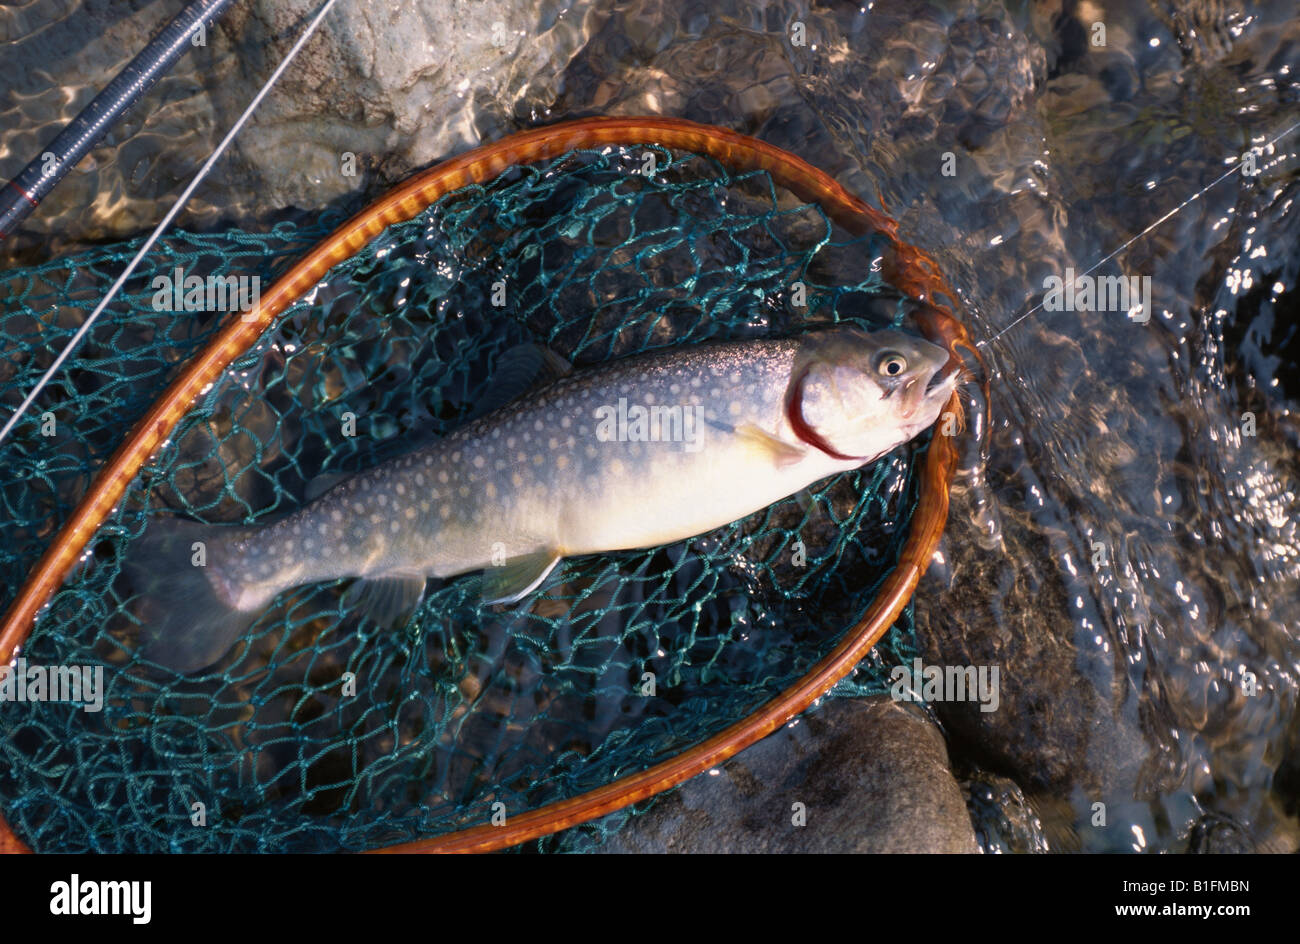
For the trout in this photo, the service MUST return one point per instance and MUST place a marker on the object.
(635, 453)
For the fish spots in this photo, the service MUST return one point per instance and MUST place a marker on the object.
(490, 490)
(565, 422)
(516, 480)
(590, 451)
(479, 462)
(400, 489)
(463, 491)
(395, 526)
(561, 462)
(539, 425)
(442, 476)
(735, 407)
(336, 515)
(521, 457)
(410, 513)
(538, 459)
(419, 479)
(383, 500)
(444, 512)
(616, 467)
(376, 519)
(735, 377)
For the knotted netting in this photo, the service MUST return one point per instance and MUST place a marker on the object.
(322, 731)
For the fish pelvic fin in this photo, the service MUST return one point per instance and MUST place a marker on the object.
(778, 450)
(183, 600)
(518, 576)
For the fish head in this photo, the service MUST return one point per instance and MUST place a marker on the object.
(856, 394)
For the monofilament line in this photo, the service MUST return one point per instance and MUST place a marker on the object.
(171, 214)
(1194, 197)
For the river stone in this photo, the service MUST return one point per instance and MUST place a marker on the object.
(872, 775)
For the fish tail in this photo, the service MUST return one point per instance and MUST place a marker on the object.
(184, 594)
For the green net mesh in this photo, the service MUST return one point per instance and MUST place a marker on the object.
(466, 707)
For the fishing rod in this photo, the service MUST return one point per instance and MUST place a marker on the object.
(43, 172)
(166, 220)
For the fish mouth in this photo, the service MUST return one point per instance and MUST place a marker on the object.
(943, 376)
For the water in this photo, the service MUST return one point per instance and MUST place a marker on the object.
(1124, 550)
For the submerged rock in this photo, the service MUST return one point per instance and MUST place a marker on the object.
(867, 775)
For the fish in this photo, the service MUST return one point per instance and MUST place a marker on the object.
(633, 453)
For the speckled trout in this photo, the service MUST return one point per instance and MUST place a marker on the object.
(636, 453)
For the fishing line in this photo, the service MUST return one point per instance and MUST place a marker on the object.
(158, 230)
(1194, 197)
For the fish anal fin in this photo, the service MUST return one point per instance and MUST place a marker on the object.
(518, 576)
(387, 600)
(778, 450)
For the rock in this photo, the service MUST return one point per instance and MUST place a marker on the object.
(1004, 819)
(398, 86)
(872, 776)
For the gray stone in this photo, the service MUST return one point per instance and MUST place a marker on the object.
(872, 776)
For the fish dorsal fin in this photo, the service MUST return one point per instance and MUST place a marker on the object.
(387, 600)
(322, 483)
(778, 450)
(522, 368)
(519, 576)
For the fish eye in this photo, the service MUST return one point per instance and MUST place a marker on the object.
(890, 364)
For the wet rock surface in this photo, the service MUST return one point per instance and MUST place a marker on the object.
(864, 775)
(380, 90)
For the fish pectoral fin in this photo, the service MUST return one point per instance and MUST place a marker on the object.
(388, 600)
(518, 576)
(778, 450)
